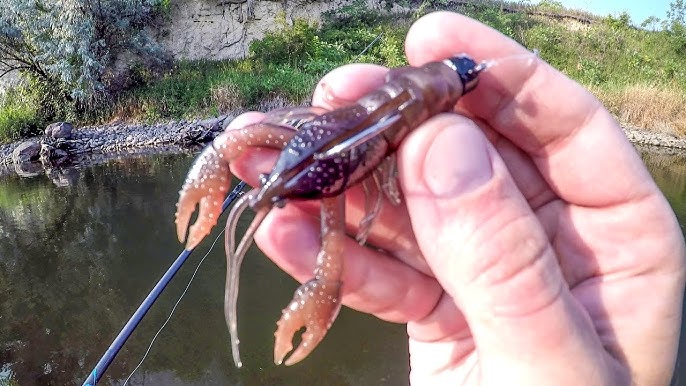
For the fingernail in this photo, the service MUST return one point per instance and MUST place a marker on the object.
(457, 161)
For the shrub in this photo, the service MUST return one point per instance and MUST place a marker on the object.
(551, 6)
(68, 46)
(354, 15)
(287, 45)
(508, 23)
(19, 116)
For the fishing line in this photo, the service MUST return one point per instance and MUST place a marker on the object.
(171, 313)
(487, 64)
(126, 331)
(379, 36)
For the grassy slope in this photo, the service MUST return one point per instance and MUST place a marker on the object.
(638, 74)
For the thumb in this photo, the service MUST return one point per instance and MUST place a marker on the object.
(490, 253)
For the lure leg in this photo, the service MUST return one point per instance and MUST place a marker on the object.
(387, 172)
(383, 182)
(372, 206)
(316, 303)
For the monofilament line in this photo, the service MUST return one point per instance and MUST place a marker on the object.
(486, 64)
(173, 309)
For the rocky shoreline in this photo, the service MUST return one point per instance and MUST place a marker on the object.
(650, 138)
(97, 144)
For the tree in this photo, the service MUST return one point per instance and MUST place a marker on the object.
(651, 23)
(675, 25)
(677, 13)
(68, 45)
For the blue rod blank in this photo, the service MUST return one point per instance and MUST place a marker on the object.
(137, 316)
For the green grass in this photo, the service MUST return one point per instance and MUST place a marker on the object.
(195, 89)
(19, 115)
(638, 74)
(286, 64)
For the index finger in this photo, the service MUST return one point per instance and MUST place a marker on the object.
(575, 143)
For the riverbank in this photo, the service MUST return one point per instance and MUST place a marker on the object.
(97, 144)
(295, 53)
(652, 138)
(120, 136)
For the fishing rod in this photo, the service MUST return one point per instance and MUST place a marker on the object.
(130, 326)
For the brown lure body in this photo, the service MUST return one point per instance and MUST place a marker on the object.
(323, 154)
(408, 98)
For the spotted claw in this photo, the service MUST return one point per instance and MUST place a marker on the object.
(207, 184)
(315, 306)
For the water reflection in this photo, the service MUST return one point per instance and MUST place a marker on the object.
(669, 171)
(76, 260)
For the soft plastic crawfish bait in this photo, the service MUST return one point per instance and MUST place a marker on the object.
(323, 154)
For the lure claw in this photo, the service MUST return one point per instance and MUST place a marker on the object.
(206, 185)
(315, 306)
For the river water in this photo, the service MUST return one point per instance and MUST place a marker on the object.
(77, 259)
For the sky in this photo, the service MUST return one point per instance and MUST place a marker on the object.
(639, 10)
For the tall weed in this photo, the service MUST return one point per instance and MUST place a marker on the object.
(647, 106)
(19, 116)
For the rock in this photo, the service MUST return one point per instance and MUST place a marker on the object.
(26, 151)
(28, 169)
(63, 177)
(212, 124)
(45, 152)
(50, 155)
(60, 154)
(196, 135)
(59, 130)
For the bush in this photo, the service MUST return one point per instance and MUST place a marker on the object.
(296, 46)
(551, 6)
(352, 16)
(272, 81)
(19, 116)
(68, 46)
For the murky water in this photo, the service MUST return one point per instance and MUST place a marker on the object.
(76, 260)
(669, 171)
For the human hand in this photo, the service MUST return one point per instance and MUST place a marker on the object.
(533, 247)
